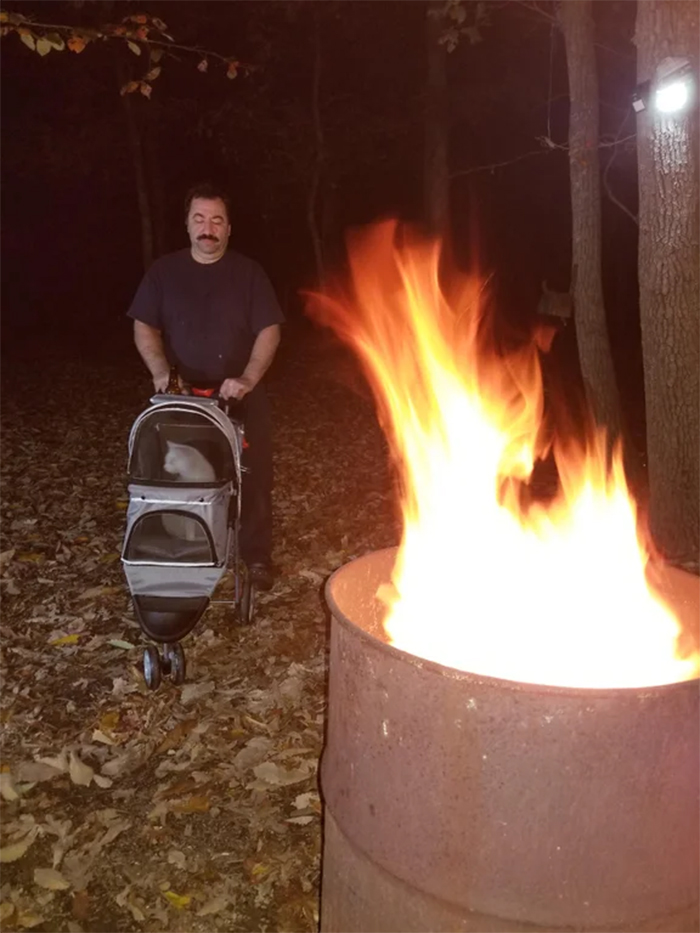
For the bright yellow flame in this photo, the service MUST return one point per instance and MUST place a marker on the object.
(550, 593)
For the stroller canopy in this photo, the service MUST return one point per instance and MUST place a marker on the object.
(195, 422)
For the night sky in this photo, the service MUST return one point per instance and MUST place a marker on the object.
(71, 253)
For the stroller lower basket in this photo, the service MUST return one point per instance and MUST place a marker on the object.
(169, 618)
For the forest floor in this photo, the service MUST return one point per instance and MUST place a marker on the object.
(194, 808)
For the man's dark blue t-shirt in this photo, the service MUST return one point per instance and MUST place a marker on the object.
(208, 313)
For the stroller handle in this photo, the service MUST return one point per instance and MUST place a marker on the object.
(233, 407)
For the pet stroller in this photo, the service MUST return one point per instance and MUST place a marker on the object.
(182, 534)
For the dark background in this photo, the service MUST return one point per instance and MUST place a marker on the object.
(71, 253)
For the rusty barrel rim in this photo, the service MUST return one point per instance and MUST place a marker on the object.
(456, 673)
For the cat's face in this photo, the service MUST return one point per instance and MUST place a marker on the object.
(187, 463)
(174, 458)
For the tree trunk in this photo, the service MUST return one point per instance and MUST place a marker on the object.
(669, 283)
(150, 133)
(436, 173)
(312, 208)
(140, 175)
(584, 168)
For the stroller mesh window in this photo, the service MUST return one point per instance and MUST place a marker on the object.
(170, 537)
(166, 431)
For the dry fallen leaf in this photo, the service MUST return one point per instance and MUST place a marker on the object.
(36, 771)
(99, 736)
(176, 735)
(64, 640)
(102, 781)
(312, 576)
(110, 720)
(81, 905)
(257, 871)
(214, 906)
(51, 879)
(16, 850)
(114, 830)
(27, 920)
(118, 765)
(192, 805)
(278, 776)
(96, 591)
(60, 762)
(7, 787)
(253, 752)
(305, 800)
(177, 900)
(177, 858)
(194, 691)
(80, 773)
(120, 643)
(31, 558)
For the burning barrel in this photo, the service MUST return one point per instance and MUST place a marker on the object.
(456, 801)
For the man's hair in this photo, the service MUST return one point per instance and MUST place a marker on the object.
(209, 192)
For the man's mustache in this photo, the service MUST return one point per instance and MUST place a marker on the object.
(207, 236)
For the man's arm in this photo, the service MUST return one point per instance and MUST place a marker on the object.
(261, 357)
(149, 343)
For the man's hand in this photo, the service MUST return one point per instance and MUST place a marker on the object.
(236, 388)
(260, 358)
(161, 380)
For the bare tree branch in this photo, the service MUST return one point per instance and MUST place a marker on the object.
(534, 7)
(606, 180)
(493, 166)
(547, 145)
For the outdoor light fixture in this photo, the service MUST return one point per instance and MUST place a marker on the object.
(640, 98)
(672, 90)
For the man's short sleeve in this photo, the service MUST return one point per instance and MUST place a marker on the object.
(147, 304)
(265, 308)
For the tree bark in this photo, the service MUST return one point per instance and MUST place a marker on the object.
(150, 131)
(436, 171)
(584, 169)
(312, 209)
(138, 160)
(669, 283)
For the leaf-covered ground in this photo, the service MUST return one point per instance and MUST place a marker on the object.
(195, 808)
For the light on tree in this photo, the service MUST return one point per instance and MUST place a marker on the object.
(672, 89)
(673, 97)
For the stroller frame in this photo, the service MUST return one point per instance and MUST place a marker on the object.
(182, 532)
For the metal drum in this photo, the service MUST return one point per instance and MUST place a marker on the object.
(462, 802)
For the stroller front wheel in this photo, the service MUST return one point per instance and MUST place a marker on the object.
(174, 660)
(152, 672)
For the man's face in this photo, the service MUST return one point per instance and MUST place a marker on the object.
(208, 226)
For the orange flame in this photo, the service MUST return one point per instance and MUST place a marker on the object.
(551, 593)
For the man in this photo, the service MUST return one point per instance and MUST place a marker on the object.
(213, 314)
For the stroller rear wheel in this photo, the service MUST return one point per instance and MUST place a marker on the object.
(246, 607)
(174, 662)
(152, 672)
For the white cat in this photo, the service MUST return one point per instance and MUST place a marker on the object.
(191, 466)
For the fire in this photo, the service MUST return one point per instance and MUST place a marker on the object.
(486, 579)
